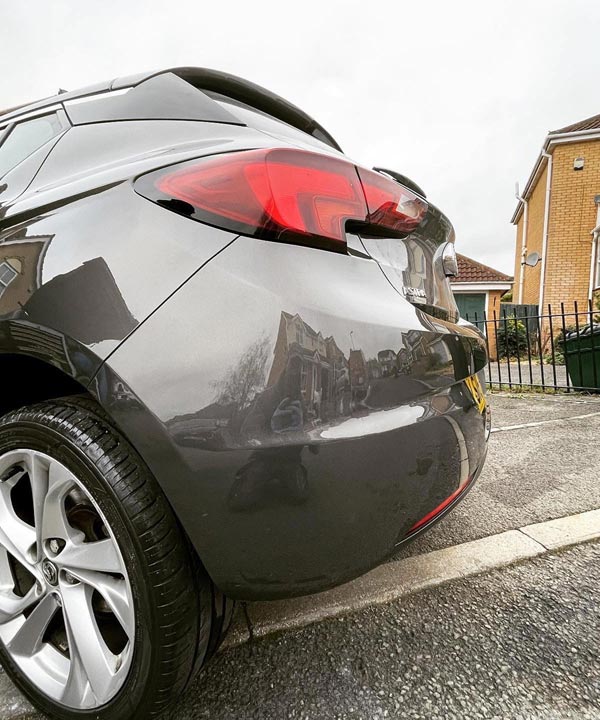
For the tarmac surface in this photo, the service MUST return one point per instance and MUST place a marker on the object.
(522, 373)
(519, 642)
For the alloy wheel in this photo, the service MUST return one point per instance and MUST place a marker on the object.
(66, 605)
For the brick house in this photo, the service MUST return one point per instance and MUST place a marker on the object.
(477, 290)
(558, 217)
(314, 367)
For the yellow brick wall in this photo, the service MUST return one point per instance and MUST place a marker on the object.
(535, 228)
(572, 218)
(494, 310)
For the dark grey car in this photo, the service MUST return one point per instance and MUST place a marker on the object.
(233, 369)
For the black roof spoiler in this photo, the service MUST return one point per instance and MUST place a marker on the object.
(223, 83)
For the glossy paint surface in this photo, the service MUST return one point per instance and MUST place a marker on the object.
(310, 424)
(299, 412)
(93, 257)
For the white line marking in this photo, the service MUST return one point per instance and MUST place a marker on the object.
(544, 422)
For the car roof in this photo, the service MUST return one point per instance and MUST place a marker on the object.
(203, 79)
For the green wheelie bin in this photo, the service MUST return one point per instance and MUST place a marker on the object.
(582, 357)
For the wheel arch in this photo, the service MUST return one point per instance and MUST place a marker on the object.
(29, 380)
(35, 371)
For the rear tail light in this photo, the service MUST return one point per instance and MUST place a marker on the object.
(391, 205)
(285, 194)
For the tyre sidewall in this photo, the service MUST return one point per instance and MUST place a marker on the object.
(131, 698)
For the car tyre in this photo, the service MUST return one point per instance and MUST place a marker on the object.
(168, 618)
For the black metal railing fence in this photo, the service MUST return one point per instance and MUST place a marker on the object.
(550, 351)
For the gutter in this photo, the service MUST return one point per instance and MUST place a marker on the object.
(480, 286)
(523, 243)
(545, 230)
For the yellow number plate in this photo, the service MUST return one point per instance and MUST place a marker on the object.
(474, 385)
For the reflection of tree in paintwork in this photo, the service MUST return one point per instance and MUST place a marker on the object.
(308, 382)
(244, 381)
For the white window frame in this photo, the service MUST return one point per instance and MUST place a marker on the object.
(4, 285)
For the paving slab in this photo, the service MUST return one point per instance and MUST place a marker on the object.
(390, 582)
(565, 531)
(514, 408)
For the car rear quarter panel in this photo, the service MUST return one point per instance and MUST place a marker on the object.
(91, 270)
(299, 414)
(94, 258)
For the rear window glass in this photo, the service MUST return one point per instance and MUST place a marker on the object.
(25, 138)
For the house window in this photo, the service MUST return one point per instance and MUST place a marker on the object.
(7, 275)
(598, 263)
(303, 378)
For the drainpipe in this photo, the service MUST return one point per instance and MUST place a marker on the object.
(548, 156)
(595, 234)
(523, 242)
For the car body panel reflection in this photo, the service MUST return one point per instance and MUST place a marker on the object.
(261, 397)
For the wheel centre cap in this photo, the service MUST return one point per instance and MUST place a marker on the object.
(50, 572)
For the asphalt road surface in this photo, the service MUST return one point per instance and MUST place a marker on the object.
(521, 642)
(502, 372)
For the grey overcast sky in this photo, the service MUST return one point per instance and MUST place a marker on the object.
(458, 95)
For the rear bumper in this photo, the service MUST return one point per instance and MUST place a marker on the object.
(360, 499)
(359, 421)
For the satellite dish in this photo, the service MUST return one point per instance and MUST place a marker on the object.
(532, 259)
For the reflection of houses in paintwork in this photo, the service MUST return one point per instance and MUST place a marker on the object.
(72, 299)
(414, 345)
(205, 428)
(359, 376)
(66, 302)
(387, 362)
(21, 263)
(317, 362)
(374, 368)
(439, 349)
(417, 271)
(21, 266)
(417, 347)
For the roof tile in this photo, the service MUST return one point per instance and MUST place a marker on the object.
(590, 123)
(470, 271)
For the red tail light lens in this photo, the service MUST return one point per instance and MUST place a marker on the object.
(284, 194)
(391, 205)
